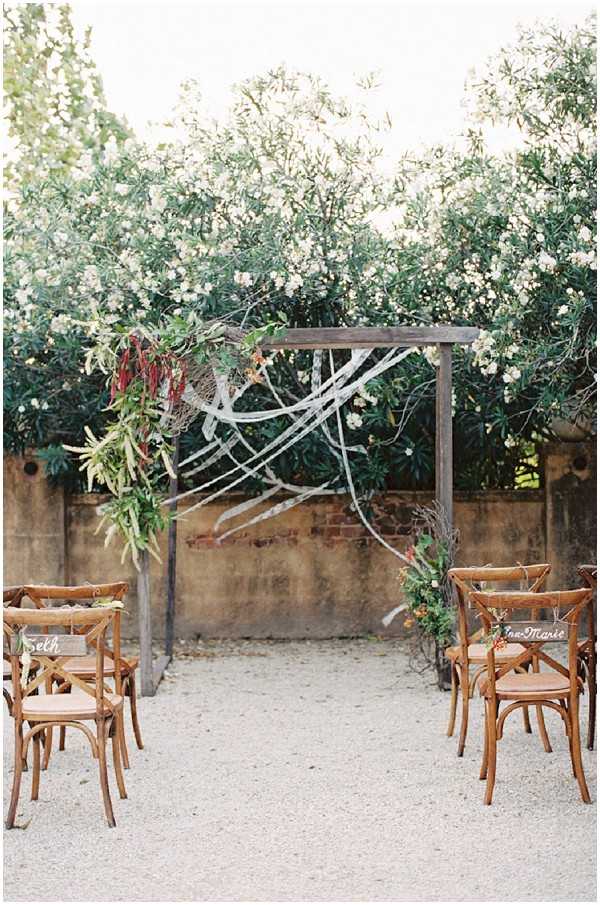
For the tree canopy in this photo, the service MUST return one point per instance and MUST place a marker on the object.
(282, 210)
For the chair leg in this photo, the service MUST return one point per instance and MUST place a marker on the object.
(491, 757)
(61, 738)
(101, 739)
(134, 717)
(591, 702)
(570, 736)
(116, 745)
(18, 771)
(576, 742)
(35, 776)
(484, 758)
(120, 718)
(464, 723)
(47, 748)
(539, 711)
(453, 700)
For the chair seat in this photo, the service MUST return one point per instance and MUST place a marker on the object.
(76, 705)
(477, 653)
(84, 667)
(528, 686)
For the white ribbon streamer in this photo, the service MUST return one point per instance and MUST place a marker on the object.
(283, 441)
(388, 361)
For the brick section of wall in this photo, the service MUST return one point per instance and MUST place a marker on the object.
(244, 538)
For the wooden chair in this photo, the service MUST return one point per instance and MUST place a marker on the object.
(89, 703)
(85, 667)
(587, 653)
(558, 688)
(471, 652)
(10, 597)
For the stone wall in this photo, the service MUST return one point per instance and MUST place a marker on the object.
(570, 470)
(310, 572)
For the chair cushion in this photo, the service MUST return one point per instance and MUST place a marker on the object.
(77, 705)
(477, 653)
(521, 686)
(86, 666)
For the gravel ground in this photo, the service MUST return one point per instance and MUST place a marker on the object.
(306, 771)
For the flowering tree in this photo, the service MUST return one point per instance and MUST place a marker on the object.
(282, 210)
(237, 220)
(54, 101)
(508, 243)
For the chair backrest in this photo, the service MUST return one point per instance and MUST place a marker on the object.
(38, 593)
(497, 608)
(589, 573)
(12, 596)
(95, 624)
(115, 590)
(465, 580)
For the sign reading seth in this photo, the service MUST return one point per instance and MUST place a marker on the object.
(50, 645)
(535, 631)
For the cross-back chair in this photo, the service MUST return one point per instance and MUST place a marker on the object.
(557, 688)
(11, 596)
(83, 703)
(587, 651)
(472, 652)
(85, 667)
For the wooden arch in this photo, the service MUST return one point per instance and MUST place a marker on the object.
(442, 336)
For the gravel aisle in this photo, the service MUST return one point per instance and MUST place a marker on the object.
(305, 771)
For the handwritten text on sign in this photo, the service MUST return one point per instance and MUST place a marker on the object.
(54, 645)
(536, 631)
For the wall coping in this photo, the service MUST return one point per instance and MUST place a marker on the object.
(410, 496)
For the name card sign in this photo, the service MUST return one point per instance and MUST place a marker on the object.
(536, 631)
(53, 645)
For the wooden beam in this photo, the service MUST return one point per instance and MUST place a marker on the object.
(172, 558)
(160, 664)
(443, 431)
(147, 686)
(370, 337)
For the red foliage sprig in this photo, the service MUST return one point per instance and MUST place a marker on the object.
(142, 361)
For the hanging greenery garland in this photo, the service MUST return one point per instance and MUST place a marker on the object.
(150, 373)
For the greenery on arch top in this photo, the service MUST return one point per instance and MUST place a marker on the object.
(149, 372)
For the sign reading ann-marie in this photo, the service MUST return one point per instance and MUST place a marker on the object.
(54, 645)
(536, 631)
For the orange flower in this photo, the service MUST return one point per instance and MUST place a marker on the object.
(253, 376)
(408, 622)
(258, 358)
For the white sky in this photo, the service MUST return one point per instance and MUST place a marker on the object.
(421, 52)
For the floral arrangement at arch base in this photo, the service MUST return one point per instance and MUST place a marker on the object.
(426, 590)
(151, 375)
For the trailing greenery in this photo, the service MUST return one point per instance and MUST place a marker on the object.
(426, 590)
(284, 208)
(148, 375)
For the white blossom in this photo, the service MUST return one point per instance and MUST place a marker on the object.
(547, 263)
(511, 374)
(353, 420)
